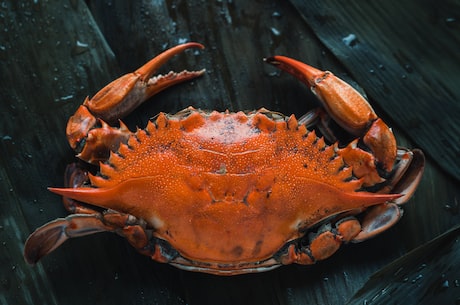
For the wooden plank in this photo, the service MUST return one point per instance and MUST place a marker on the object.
(50, 53)
(45, 78)
(427, 275)
(20, 284)
(405, 55)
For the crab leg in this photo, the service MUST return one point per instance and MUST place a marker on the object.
(53, 234)
(118, 99)
(346, 106)
(74, 177)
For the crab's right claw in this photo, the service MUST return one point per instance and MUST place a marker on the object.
(346, 106)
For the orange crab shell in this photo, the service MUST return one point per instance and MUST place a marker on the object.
(226, 187)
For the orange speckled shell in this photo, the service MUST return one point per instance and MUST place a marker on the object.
(226, 187)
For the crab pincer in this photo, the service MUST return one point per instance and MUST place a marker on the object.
(93, 141)
(346, 106)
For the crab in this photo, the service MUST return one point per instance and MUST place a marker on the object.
(230, 193)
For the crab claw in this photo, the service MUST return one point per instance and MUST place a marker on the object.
(346, 106)
(124, 94)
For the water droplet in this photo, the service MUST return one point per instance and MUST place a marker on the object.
(182, 40)
(350, 40)
(445, 284)
(64, 98)
(275, 31)
(276, 15)
(450, 21)
(79, 48)
(422, 266)
(453, 208)
(417, 278)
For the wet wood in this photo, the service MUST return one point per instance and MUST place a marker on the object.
(427, 275)
(403, 55)
(53, 54)
(50, 54)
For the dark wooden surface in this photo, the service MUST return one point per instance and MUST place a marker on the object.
(405, 55)
(426, 275)
(53, 54)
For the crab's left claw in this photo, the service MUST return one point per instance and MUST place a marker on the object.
(116, 100)
(346, 106)
(126, 93)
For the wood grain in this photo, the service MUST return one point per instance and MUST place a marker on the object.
(405, 55)
(53, 54)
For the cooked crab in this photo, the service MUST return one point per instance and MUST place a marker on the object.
(230, 193)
